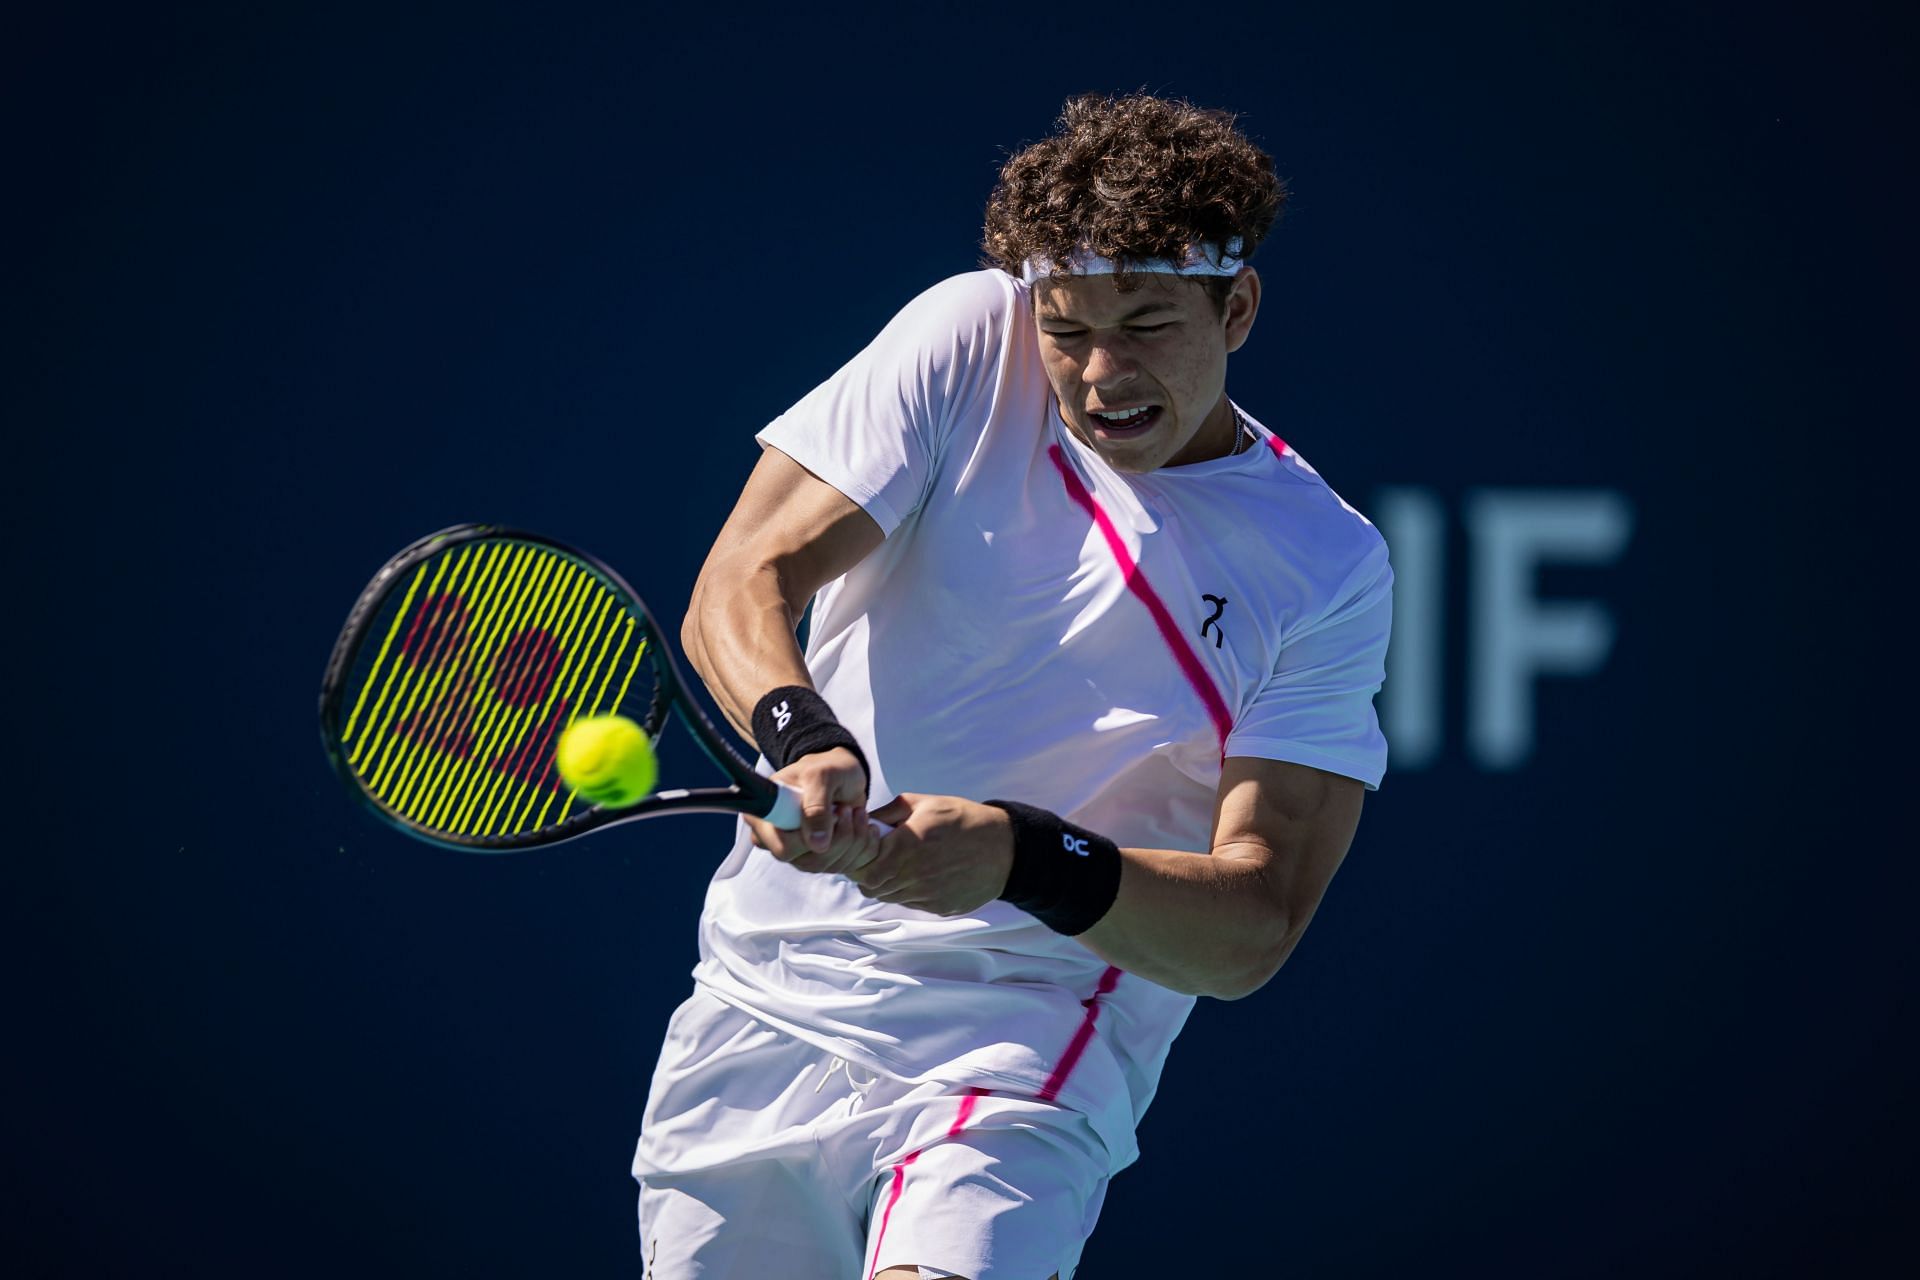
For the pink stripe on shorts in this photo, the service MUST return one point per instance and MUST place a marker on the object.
(759, 1152)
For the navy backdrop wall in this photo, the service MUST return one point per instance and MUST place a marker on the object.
(1597, 312)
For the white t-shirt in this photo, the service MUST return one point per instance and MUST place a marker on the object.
(1039, 627)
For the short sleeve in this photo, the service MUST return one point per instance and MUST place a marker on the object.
(1317, 708)
(878, 428)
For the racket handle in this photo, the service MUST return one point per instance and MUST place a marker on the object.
(785, 813)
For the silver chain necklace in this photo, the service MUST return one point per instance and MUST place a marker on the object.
(1242, 433)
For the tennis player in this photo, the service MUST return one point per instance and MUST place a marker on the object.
(1100, 647)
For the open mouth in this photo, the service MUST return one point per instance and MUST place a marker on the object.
(1120, 423)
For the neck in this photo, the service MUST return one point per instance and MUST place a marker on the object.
(1216, 438)
(1224, 430)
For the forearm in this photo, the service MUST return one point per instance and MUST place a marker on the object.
(789, 535)
(1196, 923)
(739, 635)
(740, 638)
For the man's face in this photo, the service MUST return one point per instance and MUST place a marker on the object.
(1142, 376)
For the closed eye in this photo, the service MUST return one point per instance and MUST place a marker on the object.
(1065, 335)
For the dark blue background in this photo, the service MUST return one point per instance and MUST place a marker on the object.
(292, 286)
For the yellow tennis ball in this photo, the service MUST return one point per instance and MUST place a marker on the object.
(607, 759)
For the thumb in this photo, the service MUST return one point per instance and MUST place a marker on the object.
(895, 811)
(816, 818)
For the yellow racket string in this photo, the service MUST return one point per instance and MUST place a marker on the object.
(379, 749)
(573, 682)
(477, 808)
(442, 614)
(438, 717)
(439, 739)
(513, 728)
(639, 650)
(353, 756)
(484, 820)
(495, 647)
(448, 737)
(514, 816)
(479, 701)
(459, 793)
(380, 659)
(507, 625)
(407, 743)
(600, 659)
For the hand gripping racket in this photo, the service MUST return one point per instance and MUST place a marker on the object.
(464, 659)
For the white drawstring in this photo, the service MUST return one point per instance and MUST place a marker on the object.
(860, 1087)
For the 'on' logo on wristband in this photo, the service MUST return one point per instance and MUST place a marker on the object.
(1073, 844)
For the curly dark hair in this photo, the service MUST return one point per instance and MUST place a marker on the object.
(1133, 178)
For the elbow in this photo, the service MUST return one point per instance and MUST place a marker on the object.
(1255, 969)
(690, 628)
(692, 640)
(1240, 986)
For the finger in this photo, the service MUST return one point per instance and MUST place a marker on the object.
(895, 841)
(888, 874)
(845, 847)
(849, 850)
(775, 841)
(882, 892)
(764, 834)
(862, 856)
(895, 811)
(801, 858)
(872, 874)
(862, 834)
(816, 815)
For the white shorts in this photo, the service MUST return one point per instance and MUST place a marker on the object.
(761, 1154)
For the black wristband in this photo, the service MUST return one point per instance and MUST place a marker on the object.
(794, 721)
(1064, 876)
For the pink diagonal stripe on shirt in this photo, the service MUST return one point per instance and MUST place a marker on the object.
(1078, 1045)
(967, 1104)
(1137, 583)
(1278, 446)
(1190, 666)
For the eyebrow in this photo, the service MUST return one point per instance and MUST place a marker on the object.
(1134, 314)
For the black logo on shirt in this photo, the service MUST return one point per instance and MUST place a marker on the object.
(1213, 619)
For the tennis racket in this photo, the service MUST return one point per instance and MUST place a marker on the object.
(462, 662)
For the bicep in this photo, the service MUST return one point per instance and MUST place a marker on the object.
(793, 523)
(1291, 820)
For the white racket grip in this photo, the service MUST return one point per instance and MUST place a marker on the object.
(785, 813)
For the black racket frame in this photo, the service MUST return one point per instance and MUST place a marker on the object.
(749, 793)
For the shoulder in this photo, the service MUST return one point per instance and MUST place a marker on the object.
(978, 303)
(1311, 513)
(954, 338)
(1322, 556)
(972, 291)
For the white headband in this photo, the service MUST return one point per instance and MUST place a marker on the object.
(1200, 260)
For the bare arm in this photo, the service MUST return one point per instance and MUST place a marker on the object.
(1218, 925)
(790, 534)
(1223, 924)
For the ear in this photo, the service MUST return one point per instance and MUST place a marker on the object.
(1243, 304)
